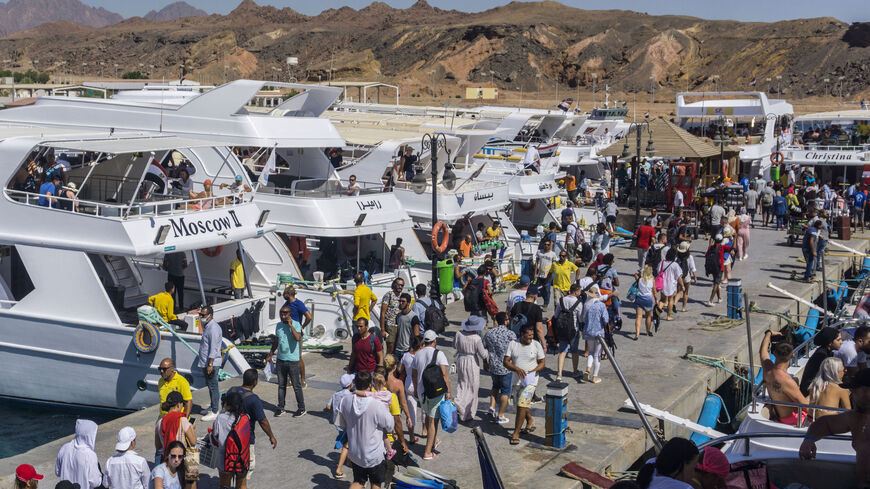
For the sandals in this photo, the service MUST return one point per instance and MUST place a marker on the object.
(338, 475)
(528, 430)
(431, 457)
(513, 441)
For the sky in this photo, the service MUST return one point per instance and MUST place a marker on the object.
(743, 10)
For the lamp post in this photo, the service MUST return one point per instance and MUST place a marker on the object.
(720, 140)
(779, 84)
(768, 84)
(826, 90)
(841, 89)
(538, 76)
(650, 151)
(491, 76)
(433, 143)
(652, 89)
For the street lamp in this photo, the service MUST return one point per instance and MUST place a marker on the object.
(779, 84)
(768, 84)
(716, 82)
(432, 83)
(650, 151)
(491, 75)
(433, 143)
(841, 89)
(652, 89)
(720, 140)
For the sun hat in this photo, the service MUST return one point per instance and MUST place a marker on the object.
(71, 186)
(474, 323)
(683, 247)
(125, 438)
(26, 472)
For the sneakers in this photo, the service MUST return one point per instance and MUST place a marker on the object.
(299, 413)
(708, 303)
(503, 420)
(209, 417)
(279, 412)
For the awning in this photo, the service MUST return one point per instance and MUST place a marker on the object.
(130, 144)
(670, 141)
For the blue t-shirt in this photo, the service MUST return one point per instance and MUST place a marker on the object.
(288, 347)
(809, 233)
(745, 182)
(779, 206)
(857, 200)
(46, 188)
(252, 406)
(297, 310)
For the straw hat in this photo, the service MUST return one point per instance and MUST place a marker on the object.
(71, 187)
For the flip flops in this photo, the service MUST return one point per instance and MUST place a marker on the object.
(514, 441)
(528, 430)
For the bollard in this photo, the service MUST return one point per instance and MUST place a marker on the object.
(735, 299)
(557, 414)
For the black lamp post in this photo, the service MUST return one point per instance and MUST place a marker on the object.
(650, 151)
(434, 142)
(720, 140)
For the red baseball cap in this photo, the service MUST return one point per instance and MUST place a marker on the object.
(26, 472)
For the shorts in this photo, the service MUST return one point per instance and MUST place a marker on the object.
(717, 277)
(644, 302)
(501, 384)
(238, 293)
(524, 394)
(792, 419)
(610, 219)
(430, 406)
(572, 346)
(375, 475)
(252, 463)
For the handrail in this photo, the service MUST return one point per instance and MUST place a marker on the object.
(124, 212)
(768, 434)
(816, 147)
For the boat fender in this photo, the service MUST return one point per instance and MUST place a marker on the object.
(527, 206)
(146, 337)
(212, 252)
(436, 230)
(776, 157)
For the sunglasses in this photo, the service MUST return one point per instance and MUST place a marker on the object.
(163, 369)
(179, 457)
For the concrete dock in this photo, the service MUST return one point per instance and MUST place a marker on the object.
(603, 436)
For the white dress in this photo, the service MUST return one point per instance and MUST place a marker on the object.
(672, 272)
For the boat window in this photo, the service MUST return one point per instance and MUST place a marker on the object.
(15, 282)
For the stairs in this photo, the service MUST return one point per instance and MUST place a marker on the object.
(126, 277)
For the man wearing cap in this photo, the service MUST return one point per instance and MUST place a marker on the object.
(429, 402)
(25, 473)
(238, 186)
(828, 341)
(780, 385)
(856, 421)
(518, 294)
(126, 469)
(172, 381)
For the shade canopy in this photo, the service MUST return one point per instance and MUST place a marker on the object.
(670, 141)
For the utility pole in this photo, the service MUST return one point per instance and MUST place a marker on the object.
(594, 79)
(826, 90)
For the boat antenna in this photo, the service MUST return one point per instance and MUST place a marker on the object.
(162, 93)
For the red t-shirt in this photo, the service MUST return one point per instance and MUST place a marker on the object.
(366, 357)
(645, 235)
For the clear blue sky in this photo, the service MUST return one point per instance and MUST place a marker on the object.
(745, 10)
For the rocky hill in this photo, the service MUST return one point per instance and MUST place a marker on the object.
(513, 44)
(176, 10)
(18, 15)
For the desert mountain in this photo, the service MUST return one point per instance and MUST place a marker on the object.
(421, 45)
(18, 15)
(176, 10)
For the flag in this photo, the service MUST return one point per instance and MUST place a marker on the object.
(646, 115)
(268, 168)
(565, 105)
(752, 82)
(157, 174)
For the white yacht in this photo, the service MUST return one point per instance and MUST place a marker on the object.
(585, 136)
(836, 144)
(750, 120)
(74, 268)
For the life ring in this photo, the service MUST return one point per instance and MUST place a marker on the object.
(776, 157)
(215, 251)
(146, 337)
(436, 230)
(527, 206)
(348, 246)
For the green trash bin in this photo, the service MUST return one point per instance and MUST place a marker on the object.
(774, 173)
(445, 276)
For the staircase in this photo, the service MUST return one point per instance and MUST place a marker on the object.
(127, 278)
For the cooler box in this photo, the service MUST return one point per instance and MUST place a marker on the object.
(843, 225)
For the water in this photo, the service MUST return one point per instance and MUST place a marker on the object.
(44, 423)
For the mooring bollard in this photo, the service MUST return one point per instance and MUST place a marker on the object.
(557, 414)
(735, 299)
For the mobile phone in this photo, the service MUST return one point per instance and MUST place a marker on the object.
(192, 420)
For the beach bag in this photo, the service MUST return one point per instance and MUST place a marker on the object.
(208, 452)
(747, 475)
(434, 318)
(449, 416)
(237, 452)
(632, 292)
(660, 279)
(433, 379)
(563, 323)
(191, 464)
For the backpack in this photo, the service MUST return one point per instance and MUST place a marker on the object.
(433, 379)
(766, 197)
(472, 296)
(434, 318)
(237, 453)
(586, 253)
(674, 234)
(654, 257)
(711, 261)
(563, 323)
(517, 322)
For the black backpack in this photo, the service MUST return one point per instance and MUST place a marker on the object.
(654, 257)
(563, 323)
(433, 378)
(434, 318)
(711, 261)
(472, 296)
(586, 253)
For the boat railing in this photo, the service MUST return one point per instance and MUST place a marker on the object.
(471, 186)
(819, 147)
(748, 436)
(804, 410)
(159, 205)
(322, 187)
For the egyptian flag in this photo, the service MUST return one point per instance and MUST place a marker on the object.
(157, 174)
(268, 169)
(752, 82)
(565, 105)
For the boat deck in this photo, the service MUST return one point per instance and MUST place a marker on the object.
(603, 435)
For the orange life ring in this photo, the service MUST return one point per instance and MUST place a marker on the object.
(348, 246)
(436, 230)
(776, 157)
(527, 206)
(212, 251)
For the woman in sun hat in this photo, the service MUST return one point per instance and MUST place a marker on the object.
(469, 346)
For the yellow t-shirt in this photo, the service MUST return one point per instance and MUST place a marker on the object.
(491, 234)
(562, 275)
(395, 410)
(362, 297)
(238, 274)
(177, 383)
(165, 305)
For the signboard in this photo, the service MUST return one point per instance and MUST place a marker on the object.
(292, 60)
(719, 111)
(189, 226)
(833, 158)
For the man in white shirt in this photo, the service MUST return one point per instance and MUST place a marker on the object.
(532, 159)
(854, 352)
(518, 295)
(678, 200)
(364, 419)
(126, 469)
(352, 187)
(430, 402)
(525, 359)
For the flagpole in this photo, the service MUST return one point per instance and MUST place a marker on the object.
(267, 168)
